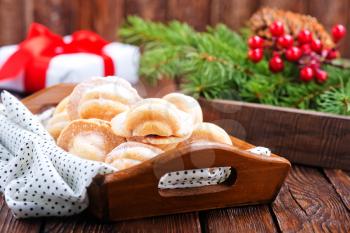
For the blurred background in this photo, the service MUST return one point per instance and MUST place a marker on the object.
(105, 16)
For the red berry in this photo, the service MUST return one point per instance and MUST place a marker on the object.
(276, 64)
(306, 74)
(304, 36)
(338, 32)
(321, 76)
(316, 45)
(293, 54)
(275, 53)
(285, 41)
(255, 42)
(277, 28)
(255, 55)
(332, 54)
(314, 64)
(306, 48)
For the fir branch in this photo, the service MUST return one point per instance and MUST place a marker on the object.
(313, 94)
(214, 64)
(335, 100)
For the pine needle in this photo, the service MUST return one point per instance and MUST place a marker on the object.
(214, 64)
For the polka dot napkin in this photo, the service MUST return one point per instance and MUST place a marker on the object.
(38, 178)
(203, 176)
(194, 178)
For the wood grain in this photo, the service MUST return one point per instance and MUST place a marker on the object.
(196, 13)
(341, 183)
(289, 215)
(84, 10)
(241, 219)
(84, 223)
(108, 16)
(147, 9)
(257, 183)
(304, 137)
(336, 12)
(308, 203)
(300, 6)
(8, 223)
(233, 13)
(54, 14)
(28, 15)
(12, 21)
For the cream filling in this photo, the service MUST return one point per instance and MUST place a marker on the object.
(124, 163)
(126, 155)
(88, 145)
(136, 153)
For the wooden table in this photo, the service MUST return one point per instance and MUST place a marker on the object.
(311, 200)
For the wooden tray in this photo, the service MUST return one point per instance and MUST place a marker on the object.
(134, 193)
(304, 137)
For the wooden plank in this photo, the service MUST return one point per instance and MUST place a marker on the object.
(103, 17)
(12, 21)
(304, 137)
(233, 13)
(329, 13)
(308, 203)
(28, 15)
(8, 223)
(147, 9)
(241, 219)
(290, 217)
(300, 6)
(341, 183)
(195, 13)
(85, 13)
(54, 14)
(84, 223)
(107, 17)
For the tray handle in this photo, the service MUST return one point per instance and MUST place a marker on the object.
(241, 162)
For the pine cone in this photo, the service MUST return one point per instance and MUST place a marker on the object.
(294, 22)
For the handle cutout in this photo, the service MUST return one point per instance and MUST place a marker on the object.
(196, 181)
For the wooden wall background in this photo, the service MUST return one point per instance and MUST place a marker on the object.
(104, 16)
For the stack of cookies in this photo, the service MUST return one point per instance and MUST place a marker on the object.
(105, 119)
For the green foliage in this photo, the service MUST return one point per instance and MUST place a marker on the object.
(335, 100)
(214, 64)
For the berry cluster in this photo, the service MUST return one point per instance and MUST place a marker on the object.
(304, 50)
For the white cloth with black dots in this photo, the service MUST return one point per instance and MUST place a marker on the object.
(39, 179)
(194, 178)
(203, 176)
